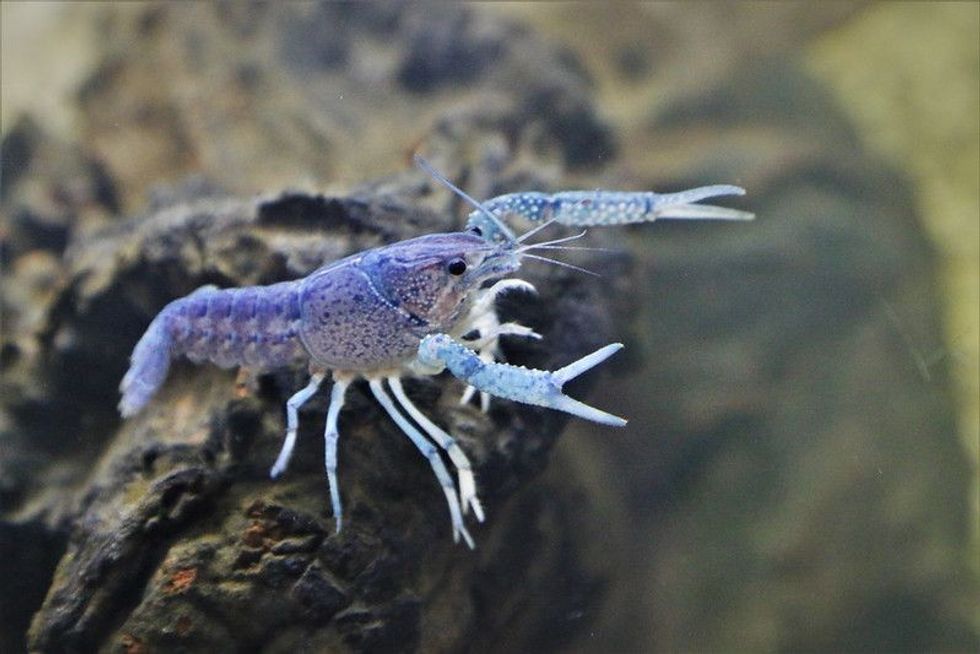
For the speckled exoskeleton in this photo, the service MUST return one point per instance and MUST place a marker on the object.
(398, 310)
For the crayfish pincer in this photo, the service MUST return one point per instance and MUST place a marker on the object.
(403, 309)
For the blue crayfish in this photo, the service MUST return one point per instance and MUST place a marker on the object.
(402, 309)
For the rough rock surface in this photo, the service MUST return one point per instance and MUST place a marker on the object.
(790, 479)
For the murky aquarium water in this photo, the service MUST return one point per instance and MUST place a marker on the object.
(242, 410)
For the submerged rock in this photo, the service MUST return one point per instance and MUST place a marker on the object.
(791, 477)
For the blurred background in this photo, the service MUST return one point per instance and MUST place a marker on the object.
(800, 470)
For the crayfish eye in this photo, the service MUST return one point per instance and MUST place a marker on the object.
(477, 231)
(456, 267)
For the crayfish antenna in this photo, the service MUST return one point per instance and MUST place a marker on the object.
(439, 177)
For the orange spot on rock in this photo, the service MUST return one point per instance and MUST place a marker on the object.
(180, 580)
(254, 535)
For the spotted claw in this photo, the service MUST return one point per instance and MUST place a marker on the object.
(538, 387)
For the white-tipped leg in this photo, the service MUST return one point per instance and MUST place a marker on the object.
(330, 436)
(488, 340)
(538, 387)
(488, 356)
(467, 395)
(484, 303)
(292, 423)
(430, 452)
(464, 470)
